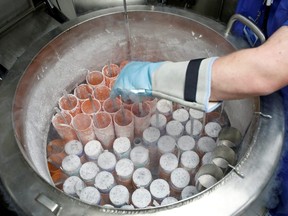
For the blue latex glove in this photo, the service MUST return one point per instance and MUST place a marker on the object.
(135, 75)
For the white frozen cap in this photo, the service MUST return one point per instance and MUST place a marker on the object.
(119, 195)
(74, 147)
(71, 164)
(90, 195)
(93, 149)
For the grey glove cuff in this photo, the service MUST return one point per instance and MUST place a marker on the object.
(187, 83)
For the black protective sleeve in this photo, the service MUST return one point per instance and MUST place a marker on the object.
(191, 80)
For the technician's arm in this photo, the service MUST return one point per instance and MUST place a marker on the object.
(252, 72)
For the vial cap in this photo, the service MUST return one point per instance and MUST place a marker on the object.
(159, 189)
(104, 181)
(93, 149)
(142, 177)
(107, 161)
(74, 147)
(180, 178)
(166, 144)
(119, 195)
(90, 195)
(88, 171)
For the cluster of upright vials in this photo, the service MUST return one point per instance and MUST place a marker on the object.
(134, 154)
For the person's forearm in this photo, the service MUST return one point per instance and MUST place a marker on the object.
(252, 72)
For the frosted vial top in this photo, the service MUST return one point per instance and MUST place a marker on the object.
(139, 156)
(188, 191)
(122, 147)
(124, 168)
(74, 147)
(174, 129)
(196, 114)
(168, 200)
(71, 164)
(164, 106)
(181, 115)
(189, 160)
(88, 171)
(104, 181)
(90, 195)
(168, 162)
(166, 144)
(180, 178)
(197, 127)
(206, 144)
(141, 198)
(119, 195)
(107, 161)
(186, 143)
(142, 177)
(159, 189)
(69, 185)
(158, 121)
(151, 135)
(212, 129)
(93, 149)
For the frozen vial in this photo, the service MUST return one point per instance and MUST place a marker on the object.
(139, 155)
(141, 198)
(71, 165)
(142, 177)
(124, 169)
(212, 129)
(181, 115)
(166, 144)
(107, 161)
(167, 163)
(165, 107)
(74, 147)
(174, 129)
(190, 161)
(188, 191)
(196, 114)
(185, 143)
(196, 129)
(159, 121)
(119, 195)
(79, 186)
(205, 144)
(104, 182)
(159, 189)
(151, 136)
(168, 200)
(90, 195)
(69, 185)
(122, 147)
(88, 172)
(179, 179)
(92, 150)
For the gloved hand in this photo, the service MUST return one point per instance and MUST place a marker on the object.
(187, 83)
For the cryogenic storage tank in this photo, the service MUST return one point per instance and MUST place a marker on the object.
(59, 61)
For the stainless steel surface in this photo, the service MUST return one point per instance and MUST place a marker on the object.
(15, 41)
(59, 60)
(13, 11)
(85, 6)
(248, 23)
